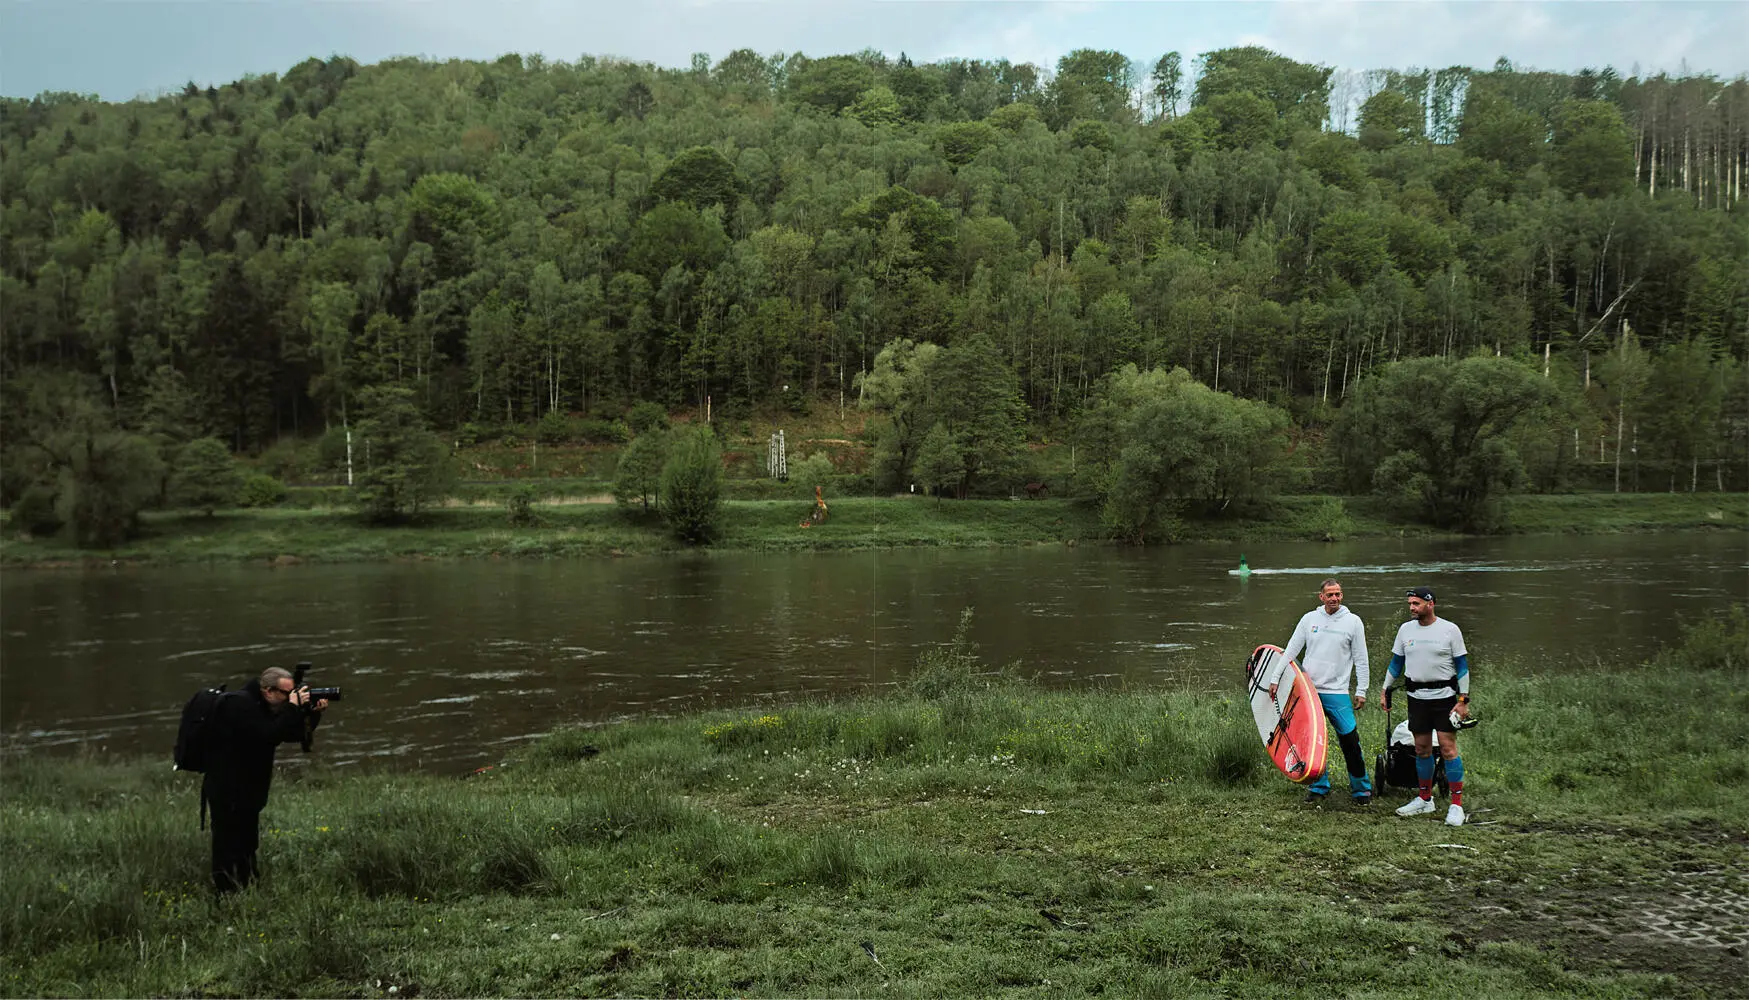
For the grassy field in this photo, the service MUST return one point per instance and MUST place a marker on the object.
(568, 525)
(968, 835)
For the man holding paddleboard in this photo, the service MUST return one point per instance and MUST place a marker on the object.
(1430, 657)
(1334, 641)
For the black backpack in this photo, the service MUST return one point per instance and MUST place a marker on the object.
(191, 736)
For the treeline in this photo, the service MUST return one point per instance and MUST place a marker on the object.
(520, 238)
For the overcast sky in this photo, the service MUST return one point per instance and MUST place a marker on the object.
(119, 49)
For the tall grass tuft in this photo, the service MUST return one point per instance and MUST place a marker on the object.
(955, 670)
(565, 747)
(511, 859)
(1716, 642)
(828, 858)
(1231, 755)
(616, 812)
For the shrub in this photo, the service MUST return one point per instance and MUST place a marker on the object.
(637, 478)
(1716, 642)
(1327, 519)
(35, 510)
(206, 477)
(692, 486)
(647, 416)
(603, 431)
(331, 450)
(260, 490)
(520, 504)
(112, 478)
(553, 428)
(288, 459)
(954, 668)
(815, 470)
(474, 432)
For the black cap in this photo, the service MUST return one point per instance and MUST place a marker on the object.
(1421, 592)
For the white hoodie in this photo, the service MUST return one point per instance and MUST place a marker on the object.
(1332, 643)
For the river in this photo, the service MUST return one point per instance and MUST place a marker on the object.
(447, 666)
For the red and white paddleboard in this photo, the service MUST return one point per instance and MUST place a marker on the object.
(1291, 722)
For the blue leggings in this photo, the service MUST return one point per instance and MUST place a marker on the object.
(1339, 709)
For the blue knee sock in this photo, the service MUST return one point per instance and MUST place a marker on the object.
(1454, 779)
(1424, 775)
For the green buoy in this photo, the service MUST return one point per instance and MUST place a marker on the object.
(1244, 568)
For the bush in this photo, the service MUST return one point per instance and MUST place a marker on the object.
(260, 490)
(520, 504)
(289, 459)
(206, 477)
(603, 431)
(815, 470)
(478, 433)
(1327, 519)
(35, 510)
(637, 478)
(112, 478)
(1716, 642)
(553, 428)
(331, 450)
(647, 416)
(692, 486)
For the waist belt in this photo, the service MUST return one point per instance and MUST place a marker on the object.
(1409, 685)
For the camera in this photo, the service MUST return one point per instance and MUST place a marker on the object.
(331, 694)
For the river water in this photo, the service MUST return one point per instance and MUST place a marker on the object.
(447, 666)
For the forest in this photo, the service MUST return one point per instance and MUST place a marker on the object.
(1233, 245)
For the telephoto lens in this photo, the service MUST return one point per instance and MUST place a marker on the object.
(328, 694)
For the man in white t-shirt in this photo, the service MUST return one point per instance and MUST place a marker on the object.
(1334, 641)
(1429, 656)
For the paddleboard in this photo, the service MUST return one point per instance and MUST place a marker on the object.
(1291, 723)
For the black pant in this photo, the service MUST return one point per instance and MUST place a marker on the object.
(236, 837)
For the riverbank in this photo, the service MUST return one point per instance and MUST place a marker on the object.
(966, 835)
(288, 536)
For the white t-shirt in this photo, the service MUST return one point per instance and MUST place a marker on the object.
(1334, 644)
(1430, 653)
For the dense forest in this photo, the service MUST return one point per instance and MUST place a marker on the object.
(528, 240)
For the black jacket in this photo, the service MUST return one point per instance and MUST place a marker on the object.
(245, 732)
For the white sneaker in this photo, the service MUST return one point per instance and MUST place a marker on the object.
(1417, 806)
(1454, 816)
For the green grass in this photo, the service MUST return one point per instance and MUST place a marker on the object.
(568, 528)
(977, 835)
(1626, 512)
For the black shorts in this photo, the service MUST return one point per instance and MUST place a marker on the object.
(1429, 714)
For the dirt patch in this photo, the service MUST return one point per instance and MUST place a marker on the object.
(1687, 917)
(1648, 900)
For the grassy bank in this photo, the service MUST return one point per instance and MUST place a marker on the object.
(568, 528)
(967, 836)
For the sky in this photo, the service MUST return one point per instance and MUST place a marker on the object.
(120, 49)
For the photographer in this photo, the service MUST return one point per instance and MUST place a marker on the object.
(247, 727)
